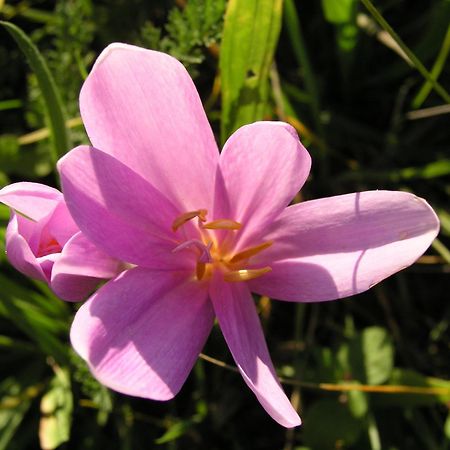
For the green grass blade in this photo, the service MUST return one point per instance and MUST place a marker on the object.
(301, 55)
(435, 72)
(342, 15)
(250, 36)
(417, 63)
(12, 417)
(10, 104)
(52, 99)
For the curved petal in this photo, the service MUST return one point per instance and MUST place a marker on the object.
(118, 210)
(142, 332)
(142, 107)
(33, 200)
(357, 239)
(242, 330)
(80, 267)
(263, 166)
(47, 262)
(61, 225)
(19, 252)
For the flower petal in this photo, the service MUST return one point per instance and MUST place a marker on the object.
(19, 252)
(80, 267)
(142, 332)
(263, 166)
(47, 262)
(60, 224)
(241, 328)
(340, 246)
(118, 210)
(142, 107)
(33, 200)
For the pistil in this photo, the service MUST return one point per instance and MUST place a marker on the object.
(213, 255)
(205, 250)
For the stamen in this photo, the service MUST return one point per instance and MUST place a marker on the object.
(249, 252)
(185, 217)
(222, 224)
(200, 270)
(245, 274)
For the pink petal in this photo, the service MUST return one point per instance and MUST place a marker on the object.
(241, 328)
(142, 107)
(47, 262)
(79, 269)
(33, 200)
(61, 225)
(142, 332)
(118, 210)
(263, 166)
(339, 246)
(19, 252)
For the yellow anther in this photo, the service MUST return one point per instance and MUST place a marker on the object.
(200, 270)
(185, 217)
(249, 252)
(245, 274)
(222, 224)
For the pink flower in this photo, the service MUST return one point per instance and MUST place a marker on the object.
(204, 231)
(43, 242)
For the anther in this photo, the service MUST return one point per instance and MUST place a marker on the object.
(222, 224)
(185, 217)
(249, 252)
(245, 274)
(200, 270)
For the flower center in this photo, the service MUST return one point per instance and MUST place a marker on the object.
(48, 247)
(216, 254)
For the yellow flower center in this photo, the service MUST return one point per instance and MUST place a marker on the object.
(217, 254)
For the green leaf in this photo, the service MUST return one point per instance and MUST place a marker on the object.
(52, 99)
(447, 427)
(342, 14)
(175, 431)
(250, 36)
(4, 180)
(56, 411)
(371, 356)
(338, 11)
(329, 424)
(444, 217)
(358, 403)
(16, 395)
